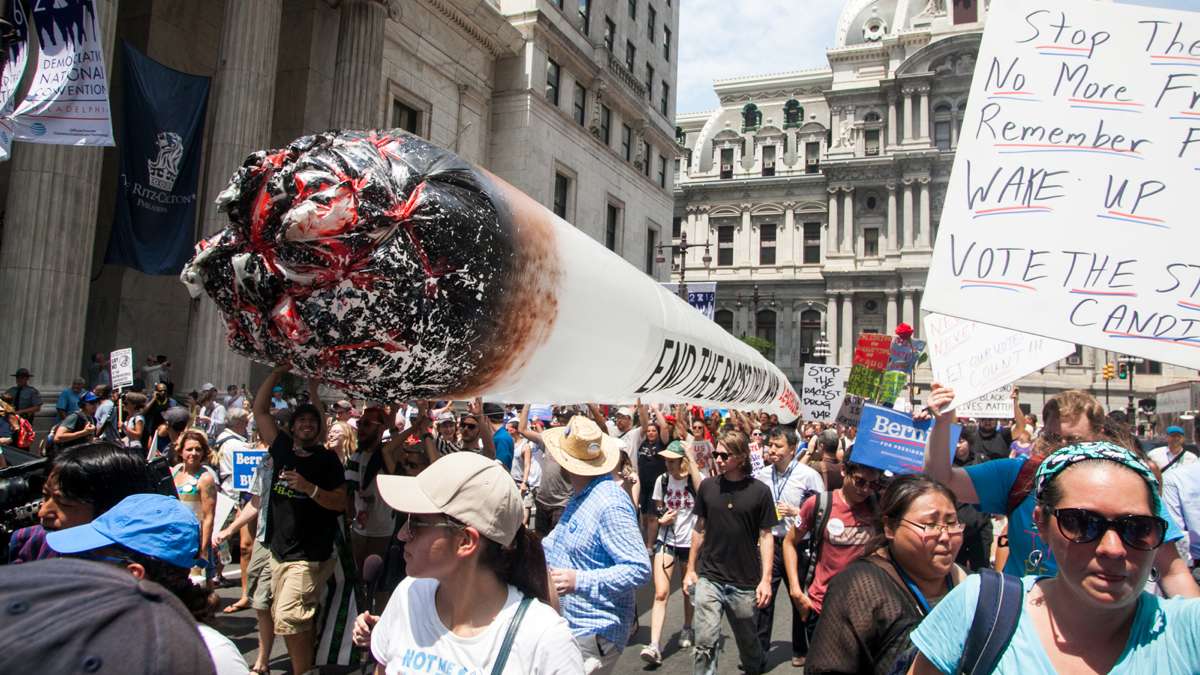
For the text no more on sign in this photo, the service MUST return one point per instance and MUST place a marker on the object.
(1070, 209)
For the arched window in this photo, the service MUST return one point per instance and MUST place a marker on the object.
(764, 328)
(810, 331)
(724, 319)
(751, 117)
(793, 114)
(871, 117)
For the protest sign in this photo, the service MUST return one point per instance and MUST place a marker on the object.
(890, 441)
(871, 355)
(421, 288)
(974, 358)
(120, 368)
(891, 386)
(1070, 212)
(244, 463)
(850, 412)
(903, 355)
(996, 404)
(822, 391)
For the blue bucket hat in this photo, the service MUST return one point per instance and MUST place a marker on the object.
(1174, 430)
(154, 525)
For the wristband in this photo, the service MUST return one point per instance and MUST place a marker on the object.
(313, 494)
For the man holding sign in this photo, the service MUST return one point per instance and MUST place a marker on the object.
(991, 441)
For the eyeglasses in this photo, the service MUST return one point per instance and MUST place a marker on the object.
(1081, 526)
(863, 484)
(469, 426)
(409, 530)
(935, 529)
(721, 455)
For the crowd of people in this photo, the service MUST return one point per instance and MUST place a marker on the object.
(514, 538)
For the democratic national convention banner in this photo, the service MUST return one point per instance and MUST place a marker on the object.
(1071, 208)
(162, 130)
(67, 102)
(14, 67)
(890, 441)
(701, 294)
(391, 269)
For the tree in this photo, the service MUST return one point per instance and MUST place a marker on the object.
(761, 345)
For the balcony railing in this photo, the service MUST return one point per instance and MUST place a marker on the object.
(627, 78)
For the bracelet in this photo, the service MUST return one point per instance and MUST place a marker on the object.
(313, 495)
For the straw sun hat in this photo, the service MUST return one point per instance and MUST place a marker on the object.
(582, 448)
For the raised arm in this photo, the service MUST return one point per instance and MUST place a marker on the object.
(263, 421)
(598, 417)
(485, 429)
(524, 429)
(1018, 414)
(938, 452)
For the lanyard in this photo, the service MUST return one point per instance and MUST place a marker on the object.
(912, 586)
(775, 482)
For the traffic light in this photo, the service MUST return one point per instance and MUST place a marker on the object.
(1110, 371)
(1123, 371)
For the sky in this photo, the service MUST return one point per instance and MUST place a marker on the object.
(721, 39)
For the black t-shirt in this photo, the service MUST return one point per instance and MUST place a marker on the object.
(651, 465)
(298, 527)
(735, 513)
(74, 423)
(994, 446)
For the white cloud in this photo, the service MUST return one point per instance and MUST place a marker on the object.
(720, 39)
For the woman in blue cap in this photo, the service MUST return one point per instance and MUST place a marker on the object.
(157, 538)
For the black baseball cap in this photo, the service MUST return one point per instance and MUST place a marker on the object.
(68, 615)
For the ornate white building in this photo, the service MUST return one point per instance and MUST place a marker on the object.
(819, 191)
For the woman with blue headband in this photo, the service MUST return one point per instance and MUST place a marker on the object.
(1097, 510)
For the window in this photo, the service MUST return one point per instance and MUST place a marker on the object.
(610, 33)
(612, 223)
(768, 162)
(726, 163)
(725, 245)
(630, 55)
(1147, 367)
(605, 124)
(810, 330)
(871, 142)
(646, 157)
(651, 245)
(666, 98)
(562, 193)
(580, 104)
(406, 118)
(812, 243)
(812, 157)
(626, 142)
(585, 15)
(1076, 359)
(651, 22)
(793, 114)
(633, 9)
(649, 81)
(943, 118)
(552, 74)
(666, 43)
(766, 244)
(870, 241)
(764, 329)
(662, 172)
(724, 319)
(676, 227)
(966, 11)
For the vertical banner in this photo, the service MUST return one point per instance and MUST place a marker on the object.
(67, 103)
(701, 294)
(822, 391)
(14, 67)
(1070, 212)
(162, 130)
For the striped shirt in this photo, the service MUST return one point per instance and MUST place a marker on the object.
(598, 537)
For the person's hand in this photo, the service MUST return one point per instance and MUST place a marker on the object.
(762, 594)
(801, 602)
(296, 482)
(219, 537)
(786, 510)
(361, 635)
(939, 402)
(476, 407)
(563, 580)
(281, 369)
(90, 429)
(668, 517)
(689, 583)
(1016, 393)
(522, 488)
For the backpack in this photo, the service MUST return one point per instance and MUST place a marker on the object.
(22, 433)
(816, 535)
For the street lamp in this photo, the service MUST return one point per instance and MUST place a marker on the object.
(755, 298)
(681, 250)
(821, 348)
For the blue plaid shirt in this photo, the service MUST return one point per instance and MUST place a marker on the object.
(598, 537)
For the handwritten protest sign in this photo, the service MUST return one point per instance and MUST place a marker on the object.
(890, 441)
(871, 356)
(996, 404)
(850, 411)
(974, 358)
(903, 355)
(244, 464)
(823, 389)
(1070, 211)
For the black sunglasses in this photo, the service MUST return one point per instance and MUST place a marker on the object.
(469, 426)
(721, 455)
(1081, 526)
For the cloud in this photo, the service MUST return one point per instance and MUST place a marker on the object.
(720, 39)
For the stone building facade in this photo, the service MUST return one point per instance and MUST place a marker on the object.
(536, 91)
(819, 191)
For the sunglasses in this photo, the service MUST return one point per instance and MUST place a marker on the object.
(721, 455)
(409, 530)
(1081, 526)
(862, 483)
(469, 426)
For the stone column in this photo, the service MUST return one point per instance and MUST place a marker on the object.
(892, 122)
(891, 311)
(244, 93)
(848, 230)
(743, 242)
(908, 115)
(926, 216)
(46, 258)
(831, 245)
(831, 328)
(848, 326)
(892, 235)
(358, 71)
(924, 107)
(909, 233)
(835, 122)
(906, 298)
(783, 239)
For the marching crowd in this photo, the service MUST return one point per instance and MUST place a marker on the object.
(491, 538)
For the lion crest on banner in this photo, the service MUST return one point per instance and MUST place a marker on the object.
(164, 168)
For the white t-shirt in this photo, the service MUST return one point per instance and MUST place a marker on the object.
(1162, 457)
(535, 462)
(410, 638)
(791, 486)
(678, 533)
(225, 655)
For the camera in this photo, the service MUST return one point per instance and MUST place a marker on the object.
(21, 496)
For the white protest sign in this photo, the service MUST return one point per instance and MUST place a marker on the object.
(1070, 212)
(822, 391)
(120, 368)
(974, 358)
(851, 410)
(996, 404)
